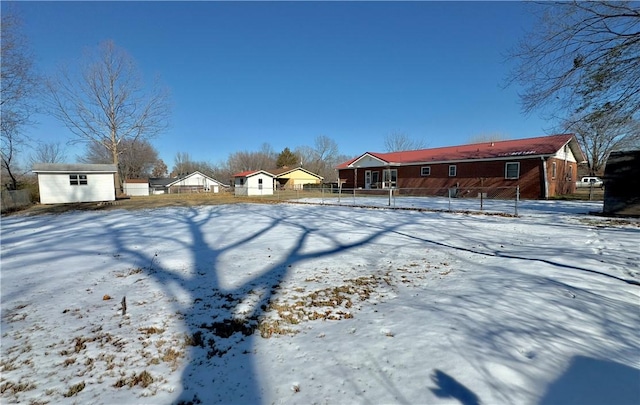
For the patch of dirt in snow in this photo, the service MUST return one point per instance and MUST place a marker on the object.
(287, 312)
(92, 344)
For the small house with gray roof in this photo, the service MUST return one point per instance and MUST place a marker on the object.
(70, 183)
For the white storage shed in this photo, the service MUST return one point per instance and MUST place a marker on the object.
(68, 183)
(254, 182)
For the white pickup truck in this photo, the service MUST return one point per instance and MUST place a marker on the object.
(589, 181)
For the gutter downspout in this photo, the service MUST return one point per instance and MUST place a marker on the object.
(544, 178)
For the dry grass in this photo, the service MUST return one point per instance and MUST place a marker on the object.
(162, 201)
(16, 387)
(331, 303)
(144, 379)
(151, 330)
(74, 389)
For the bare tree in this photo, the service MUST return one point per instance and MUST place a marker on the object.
(96, 153)
(264, 159)
(159, 169)
(107, 103)
(48, 153)
(321, 158)
(399, 141)
(18, 86)
(580, 58)
(136, 160)
(601, 133)
(182, 164)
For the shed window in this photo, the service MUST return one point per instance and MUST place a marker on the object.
(554, 170)
(78, 179)
(512, 170)
(259, 184)
(425, 171)
(453, 170)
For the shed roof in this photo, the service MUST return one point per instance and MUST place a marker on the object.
(528, 147)
(74, 168)
(249, 173)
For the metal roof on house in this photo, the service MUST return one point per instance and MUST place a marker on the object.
(74, 168)
(539, 146)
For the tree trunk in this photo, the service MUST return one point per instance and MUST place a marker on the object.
(116, 181)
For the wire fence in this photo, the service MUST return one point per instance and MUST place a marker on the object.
(503, 200)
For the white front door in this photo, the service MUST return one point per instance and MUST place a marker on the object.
(367, 179)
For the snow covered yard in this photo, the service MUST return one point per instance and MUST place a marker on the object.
(321, 304)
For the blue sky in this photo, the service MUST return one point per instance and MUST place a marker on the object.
(245, 73)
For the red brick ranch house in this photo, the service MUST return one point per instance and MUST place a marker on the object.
(542, 167)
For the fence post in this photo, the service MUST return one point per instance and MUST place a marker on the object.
(517, 198)
(481, 199)
(390, 191)
(449, 198)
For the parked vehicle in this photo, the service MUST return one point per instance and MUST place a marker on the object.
(590, 181)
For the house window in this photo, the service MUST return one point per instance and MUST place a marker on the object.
(512, 170)
(259, 184)
(569, 173)
(78, 179)
(389, 178)
(553, 170)
(453, 170)
(425, 171)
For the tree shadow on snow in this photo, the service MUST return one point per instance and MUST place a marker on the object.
(223, 317)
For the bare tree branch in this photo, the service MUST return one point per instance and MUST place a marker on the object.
(48, 153)
(399, 141)
(600, 133)
(582, 56)
(106, 103)
(18, 86)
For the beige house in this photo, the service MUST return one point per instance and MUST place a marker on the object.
(295, 178)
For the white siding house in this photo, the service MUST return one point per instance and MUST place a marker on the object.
(195, 182)
(67, 183)
(254, 182)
